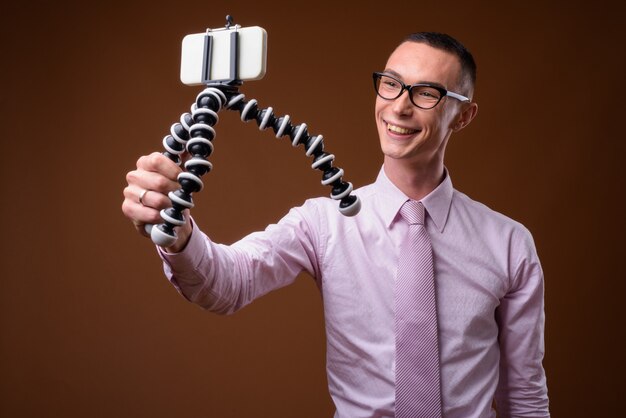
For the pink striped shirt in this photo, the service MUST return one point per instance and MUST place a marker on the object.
(489, 285)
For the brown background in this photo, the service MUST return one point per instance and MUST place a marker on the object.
(89, 326)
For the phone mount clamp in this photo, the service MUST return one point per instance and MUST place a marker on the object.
(195, 133)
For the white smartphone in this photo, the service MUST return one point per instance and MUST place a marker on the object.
(201, 64)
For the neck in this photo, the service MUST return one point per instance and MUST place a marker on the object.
(416, 181)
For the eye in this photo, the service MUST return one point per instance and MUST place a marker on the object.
(390, 82)
(426, 93)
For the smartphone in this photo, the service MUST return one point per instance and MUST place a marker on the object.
(204, 60)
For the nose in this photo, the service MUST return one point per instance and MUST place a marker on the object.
(402, 105)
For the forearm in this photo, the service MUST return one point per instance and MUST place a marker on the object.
(522, 389)
(192, 271)
(224, 278)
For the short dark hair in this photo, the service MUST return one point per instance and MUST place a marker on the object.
(451, 45)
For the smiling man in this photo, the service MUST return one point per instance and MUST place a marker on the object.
(433, 302)
(414, 128)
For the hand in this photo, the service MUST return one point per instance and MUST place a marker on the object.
(153, 179)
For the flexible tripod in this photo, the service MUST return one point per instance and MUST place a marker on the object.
(195, 133)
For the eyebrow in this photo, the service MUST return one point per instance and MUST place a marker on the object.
(430, 83)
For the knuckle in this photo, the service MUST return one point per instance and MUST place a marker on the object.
(131, 176)
(142, 161)
(149, 162)
(155, 160)
(127, 208)
(152, 160)
(127, 192)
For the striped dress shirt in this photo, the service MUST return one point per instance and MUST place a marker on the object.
(489, 286)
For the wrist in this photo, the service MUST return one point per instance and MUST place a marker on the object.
(183, 236)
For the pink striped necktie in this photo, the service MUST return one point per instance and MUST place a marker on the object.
(418, 382)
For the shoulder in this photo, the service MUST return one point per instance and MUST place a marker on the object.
(499, 230)
(504, 238)
(480, 213)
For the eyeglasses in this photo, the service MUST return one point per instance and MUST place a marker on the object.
(424, 96)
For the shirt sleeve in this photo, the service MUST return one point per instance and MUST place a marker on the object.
(522, 389)
(225, 278)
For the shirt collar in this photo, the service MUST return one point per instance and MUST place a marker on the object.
(437, 202)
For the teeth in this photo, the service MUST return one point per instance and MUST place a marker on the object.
(400, 130)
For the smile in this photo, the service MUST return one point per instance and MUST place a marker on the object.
(401, 130)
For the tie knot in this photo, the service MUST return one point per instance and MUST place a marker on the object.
(413, 212)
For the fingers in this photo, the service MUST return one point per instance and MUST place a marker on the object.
(155, 172)
(149, 198)
(140, 215)
(155, 176)
(159, 163)
(148, 180)
(147, 211)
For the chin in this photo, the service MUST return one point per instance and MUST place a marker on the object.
(395, 152)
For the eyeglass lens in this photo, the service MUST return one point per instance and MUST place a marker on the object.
(422, 96)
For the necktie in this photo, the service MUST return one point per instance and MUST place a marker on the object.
(418, 383)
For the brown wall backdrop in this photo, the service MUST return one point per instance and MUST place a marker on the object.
(88, 324)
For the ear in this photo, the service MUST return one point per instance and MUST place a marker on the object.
(467, 114)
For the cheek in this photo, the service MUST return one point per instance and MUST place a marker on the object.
(448, 118)
(378, 116)
(437, 120)
(379, 106)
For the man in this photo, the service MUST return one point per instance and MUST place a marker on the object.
(488, 282)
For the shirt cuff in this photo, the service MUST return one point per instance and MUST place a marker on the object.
(183, 268)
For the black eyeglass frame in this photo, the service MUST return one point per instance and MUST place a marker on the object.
(377, 75)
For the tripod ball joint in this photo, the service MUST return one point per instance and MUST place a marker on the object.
(194, 134)
(349, 204)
